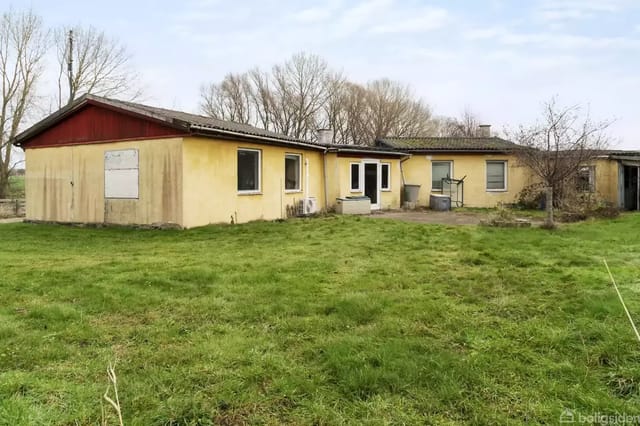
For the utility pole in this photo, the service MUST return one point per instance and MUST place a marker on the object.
(70, 65)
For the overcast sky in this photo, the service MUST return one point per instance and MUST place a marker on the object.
(500, 58)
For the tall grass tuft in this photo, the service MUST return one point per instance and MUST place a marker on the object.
(113, 382)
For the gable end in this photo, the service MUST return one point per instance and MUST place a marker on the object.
(94, 123)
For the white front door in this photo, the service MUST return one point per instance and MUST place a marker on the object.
(371, 178)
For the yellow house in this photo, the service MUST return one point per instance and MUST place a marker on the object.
(100, 160)
(614, 177)
(473, 171)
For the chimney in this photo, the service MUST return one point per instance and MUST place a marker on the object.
(325, 136)
(484, 130)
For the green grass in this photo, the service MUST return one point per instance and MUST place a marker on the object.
(16, 186)
(324, 321)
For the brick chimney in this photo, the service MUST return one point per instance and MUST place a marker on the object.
(484, 130)
(325, 136)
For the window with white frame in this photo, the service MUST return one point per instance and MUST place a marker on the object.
(355, 177)
(440, 170)
(248, 170)
(121, 169)
(292, 165)
(385, 176)
(586, 179)
(496, 175)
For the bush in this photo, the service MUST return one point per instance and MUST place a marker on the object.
(531, 197)
(578, 206)
(505, 218)
(606, 211)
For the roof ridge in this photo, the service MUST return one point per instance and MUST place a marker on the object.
(448, 143)
(441, 137)
(211, 122)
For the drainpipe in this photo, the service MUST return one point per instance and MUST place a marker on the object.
(324, 176)
(306, 177)
(402, 196)
(401, 170)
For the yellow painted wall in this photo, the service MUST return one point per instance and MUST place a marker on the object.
(210, 182)
(341, 184)
(417, 170)
(334, 176)
(607, 180)
(190, 182)
(66, 184)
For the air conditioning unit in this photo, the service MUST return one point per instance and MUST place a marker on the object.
(307, 206)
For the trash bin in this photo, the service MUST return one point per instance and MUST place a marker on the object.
(411, 193)
(441, 203)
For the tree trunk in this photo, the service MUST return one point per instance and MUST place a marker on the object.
(4, 184)
(549, 206)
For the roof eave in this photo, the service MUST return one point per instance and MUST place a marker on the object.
(368, 151)
(212, 131)
(456, 151)
(43, 124)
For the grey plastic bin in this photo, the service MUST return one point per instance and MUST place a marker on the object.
(411, 193)
(440, 202)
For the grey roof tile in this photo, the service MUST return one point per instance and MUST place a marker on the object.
(447, 144)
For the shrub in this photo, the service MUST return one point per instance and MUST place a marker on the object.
(531, 197)
(577, 206)
(505, 218)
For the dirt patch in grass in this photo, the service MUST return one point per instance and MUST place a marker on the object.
(454, 217)
(432, 217)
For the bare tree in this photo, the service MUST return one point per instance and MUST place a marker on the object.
(555, 148)
(464, 126)
(289, 99)
(304, 94)
(91, 62)
(390, 109)
(230, 100)
(333, 111)
(262, 98)
(23, 44)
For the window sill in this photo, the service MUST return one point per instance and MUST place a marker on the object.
(249, 192)
(292, 191)
(497, 190)
(356, 191)
(385, 190)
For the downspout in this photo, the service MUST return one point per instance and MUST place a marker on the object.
(306, 177)
(406, 157)
(324, 176)
(402, 196)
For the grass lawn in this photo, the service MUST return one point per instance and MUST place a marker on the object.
(16, 186)
(324, 321)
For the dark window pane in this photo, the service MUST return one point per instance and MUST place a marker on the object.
(385, 176)
(355, 176)
(292, 172)
(248, 170)
(586, 179)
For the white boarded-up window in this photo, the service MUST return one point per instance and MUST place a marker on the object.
(121, 174)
